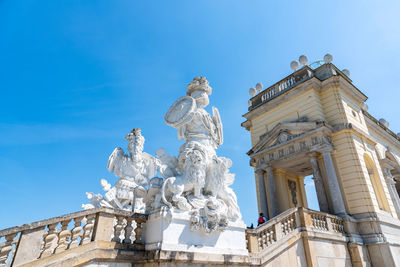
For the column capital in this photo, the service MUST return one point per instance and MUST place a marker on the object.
(313, 154)
(326, 150)
(268, 168)
(264, 167)
(260, 170)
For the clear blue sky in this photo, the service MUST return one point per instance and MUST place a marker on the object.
(76, 76)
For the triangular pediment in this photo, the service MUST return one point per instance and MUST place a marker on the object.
(283, 133)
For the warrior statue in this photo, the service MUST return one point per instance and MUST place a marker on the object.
(202, 183)
(134, 171)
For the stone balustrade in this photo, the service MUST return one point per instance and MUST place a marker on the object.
(294, 220)
(38, 240)
(280, 87)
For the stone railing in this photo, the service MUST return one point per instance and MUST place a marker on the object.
(293, 220)
(38, 240)
(280, 87)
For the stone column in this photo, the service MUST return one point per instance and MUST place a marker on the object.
(333, 184)
(272, 200)
(262, 194)
(319, 185)
(393, 192)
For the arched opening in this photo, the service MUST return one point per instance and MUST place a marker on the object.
(311, 193)
(376, 184)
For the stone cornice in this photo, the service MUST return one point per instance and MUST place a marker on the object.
(386, 132)
(349, 127)
(340, 82)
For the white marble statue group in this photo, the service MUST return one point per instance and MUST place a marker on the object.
(196, 182)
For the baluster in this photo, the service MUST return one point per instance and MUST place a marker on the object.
(63, 237)
(43, 243)
(118, 229)
(49, 241)
(6, 249)
(138, 232)
(128, 230)
(263, 239)
(293, 222)
(273, 235)
(88, 229)
(76, 232)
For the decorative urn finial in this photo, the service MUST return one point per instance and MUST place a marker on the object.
(199, 83)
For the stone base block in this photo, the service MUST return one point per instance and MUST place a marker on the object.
(170, 230)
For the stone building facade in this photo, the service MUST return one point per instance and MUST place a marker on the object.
(313, 122)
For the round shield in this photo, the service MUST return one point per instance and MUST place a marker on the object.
(180, 112)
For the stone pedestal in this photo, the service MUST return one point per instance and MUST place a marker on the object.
(170, 230)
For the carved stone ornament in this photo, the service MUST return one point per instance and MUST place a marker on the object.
(283, 137)
(293, 191)
(181, 111)
(196, 182)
